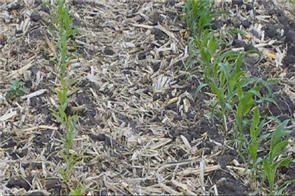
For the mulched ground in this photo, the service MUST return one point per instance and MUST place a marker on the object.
(141, 130)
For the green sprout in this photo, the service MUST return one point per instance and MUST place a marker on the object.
(237, 96)
(68, 122)
(17, 89)
(274, 159)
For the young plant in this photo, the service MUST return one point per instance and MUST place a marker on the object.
(255, 130)
(69, 123)
(198, 15)
(190, 62)
(245, 104)
(237, 96)
(78, 191)
(17, 89)
(255, 140)
(208, 45)
(275, 159)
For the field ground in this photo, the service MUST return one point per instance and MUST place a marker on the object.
(141, 128)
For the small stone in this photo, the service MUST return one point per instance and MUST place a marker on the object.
(141, 56)
(154, 18)
(20, 182)
(78, 2)
(291, 49)
(249, 7)
(35, 17)
(38, 193)
(290, 37)
(239, 43)
(283, 20)
(45, 8)
(99, 137)
(108, 51)
(236, 23)
(289, 60)
(237, 2)
(252, 59)
(76, 21)
(140, 19)
(129, 45)
(13, 6)
(159, 35)
(250, 47)
(217, 24)
(271, 31)
(3, 40)
(170, 2)
(246, 23)
(53, 184)
(37, 2)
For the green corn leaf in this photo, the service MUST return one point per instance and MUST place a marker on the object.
(270, 172)
(253, 149)
(283, 163)
(200, 87)
(218, 92)
(254, 129)
(277, 149)
(205, 56)
(245, 104)
(279, 133)
(212, 44)
(255, 92)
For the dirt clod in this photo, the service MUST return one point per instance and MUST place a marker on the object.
(20, 182)
(108, 51)
(35, 17)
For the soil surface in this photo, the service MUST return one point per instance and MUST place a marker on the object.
(142, 130)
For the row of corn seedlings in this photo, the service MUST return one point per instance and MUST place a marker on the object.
(238, 99)
(66, 31)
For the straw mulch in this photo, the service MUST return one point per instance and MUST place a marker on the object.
(141, 130)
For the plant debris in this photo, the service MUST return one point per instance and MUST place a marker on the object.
(141, 130)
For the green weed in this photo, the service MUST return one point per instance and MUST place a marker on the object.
(17, 89)
(78, 191)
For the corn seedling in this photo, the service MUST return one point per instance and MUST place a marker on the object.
(254, 144)
(66, 31)
(274, 159)
(236, 95)
(256, 138)
(198, 15)
(222, 73)
(190, 63)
